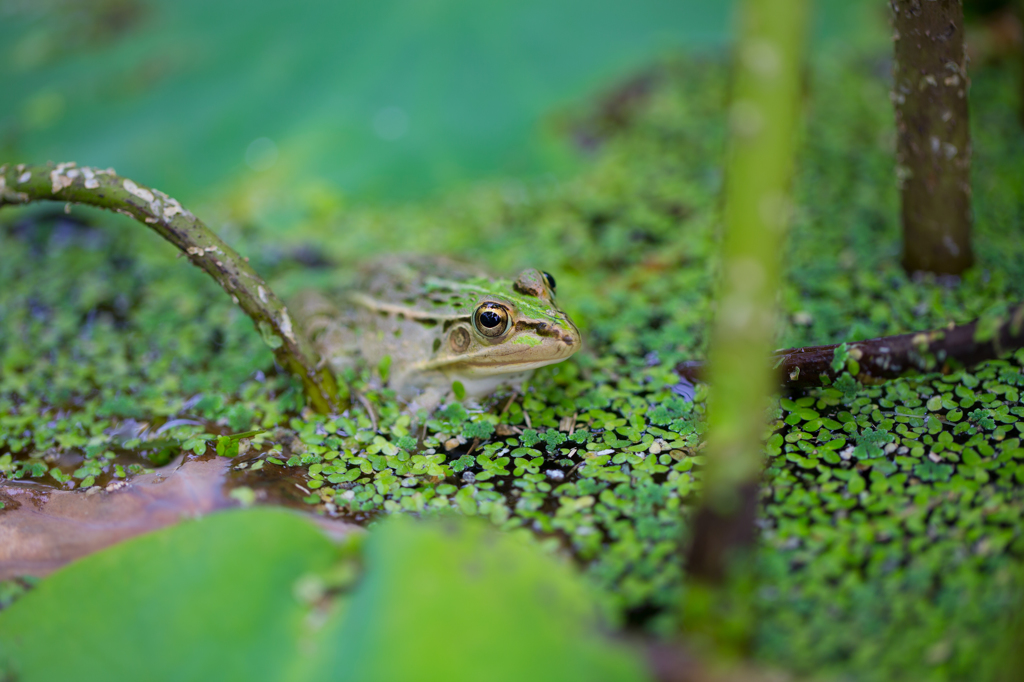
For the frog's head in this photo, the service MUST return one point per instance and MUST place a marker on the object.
(515, 326)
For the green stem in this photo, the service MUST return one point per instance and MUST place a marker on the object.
(764, 113)
(22, 184)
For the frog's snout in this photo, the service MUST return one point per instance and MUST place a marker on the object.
(570, 337)
(559, 342)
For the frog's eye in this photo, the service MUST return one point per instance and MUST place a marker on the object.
(491, 319)
(550, 279)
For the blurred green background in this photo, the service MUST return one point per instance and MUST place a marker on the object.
(285, 127)
(374, 101)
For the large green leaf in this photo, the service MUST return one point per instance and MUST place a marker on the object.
(458, 601)
(387, 98)
(204, 597)
(247, 595)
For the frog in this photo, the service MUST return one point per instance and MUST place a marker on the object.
(437, 326)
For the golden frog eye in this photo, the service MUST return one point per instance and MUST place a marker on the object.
(491, 319)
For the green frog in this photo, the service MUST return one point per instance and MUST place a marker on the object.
(440, 321)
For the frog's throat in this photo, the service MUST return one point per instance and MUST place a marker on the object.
(477, 387)
(484, 362)
(462, 368)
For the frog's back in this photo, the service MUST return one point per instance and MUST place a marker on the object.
(396, 307)
(413, 280)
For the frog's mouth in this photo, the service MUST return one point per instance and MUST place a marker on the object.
(531, 345)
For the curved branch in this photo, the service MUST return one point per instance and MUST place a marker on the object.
(889, 357)
(22, 184)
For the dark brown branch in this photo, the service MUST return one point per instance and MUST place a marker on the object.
(23, 184)
(889, 357)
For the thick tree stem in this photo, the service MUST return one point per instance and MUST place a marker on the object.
(23, 184)
(933, 148)
(1018, 7)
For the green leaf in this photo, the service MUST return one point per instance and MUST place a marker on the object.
(459, 390)
(481, 429)
(454, 413)
(847, 384)
(269, 336)
(398, 146)
(245, 495)
(553, 439)
(465, 500)
(227, 446)
(223, 583)
(462, 463)
(259, 581)
(932, 471)
(520, 614)
(384, 367)
(196, 445)
(839, 357)
(530, 437)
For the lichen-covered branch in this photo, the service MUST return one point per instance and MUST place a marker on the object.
(22, 184)
(933, 148)
(889, 357)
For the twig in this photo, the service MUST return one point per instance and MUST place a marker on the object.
(508, 403)
(65, 182)
(368, 406)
